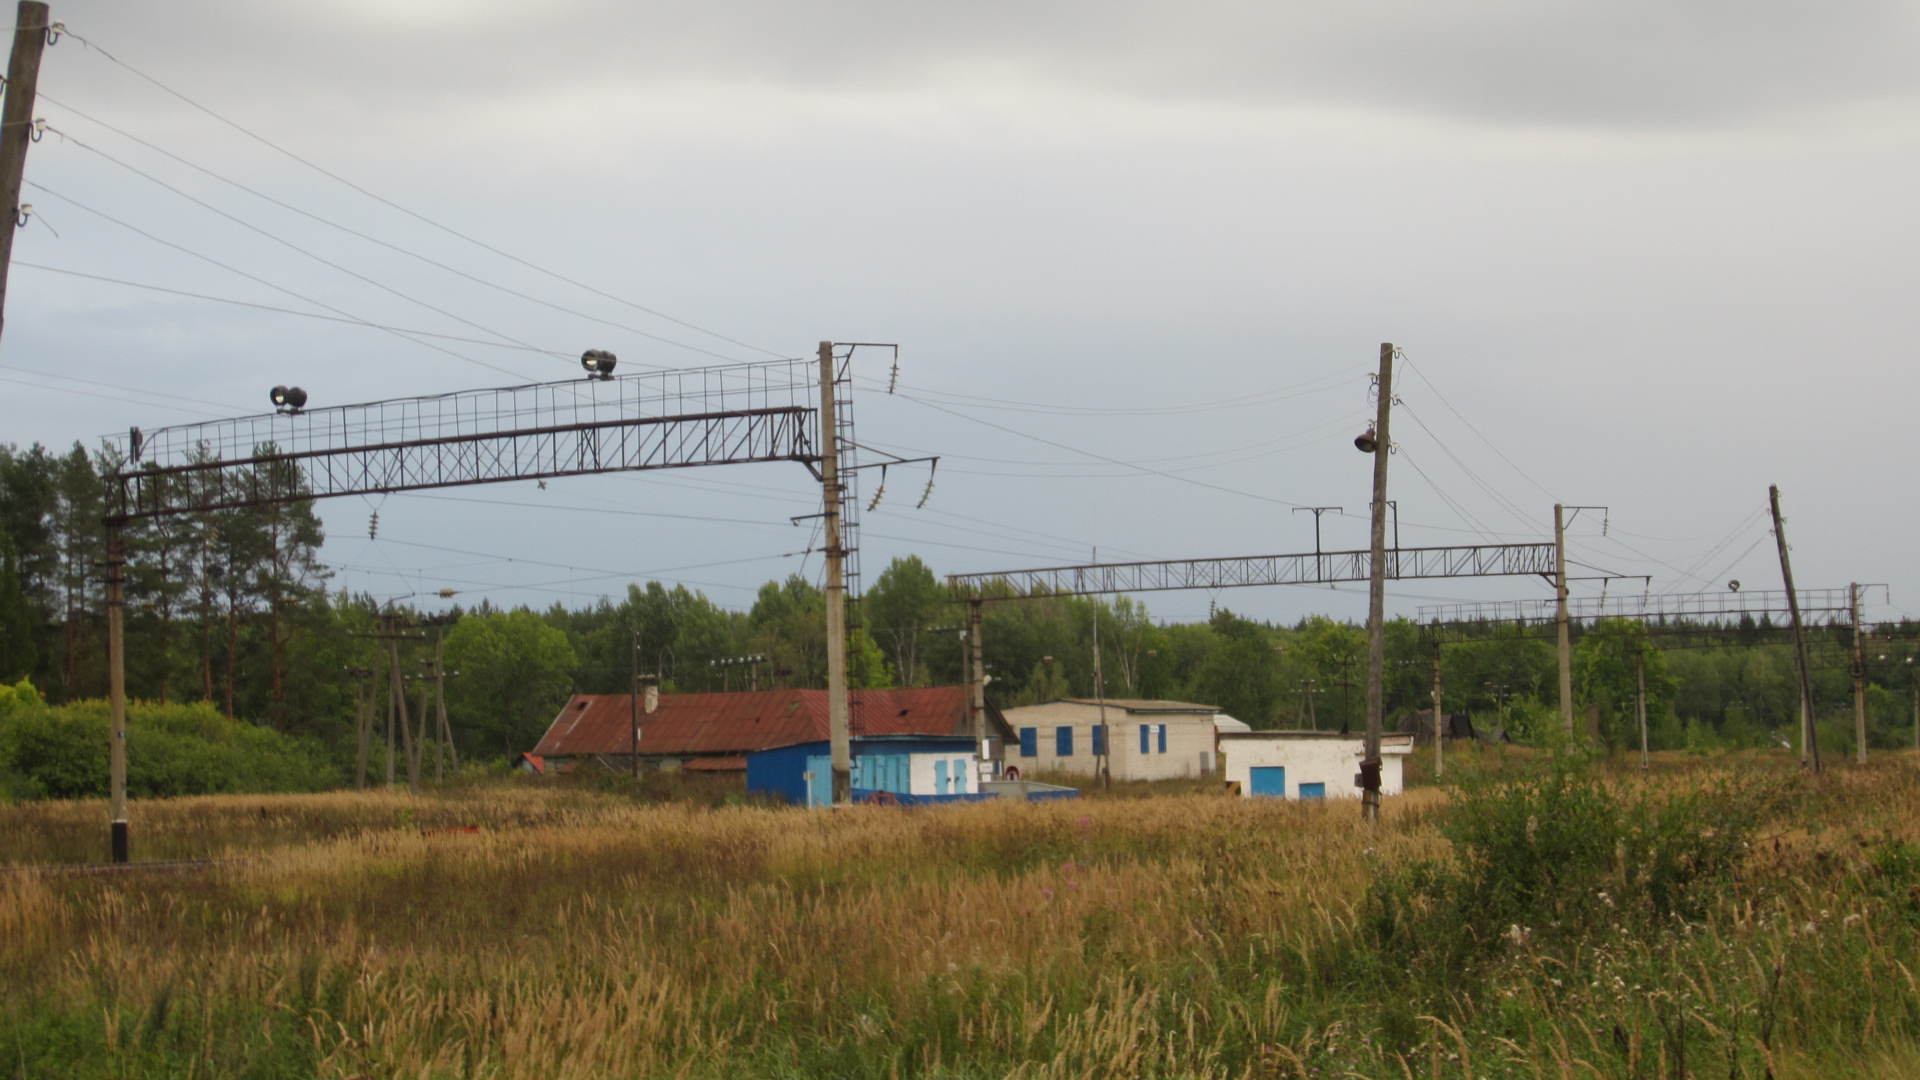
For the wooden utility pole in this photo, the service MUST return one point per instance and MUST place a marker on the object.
(837, 726)
(1439, 718)
(1809, 734)
(16, 131)
(1377, 595)
(1560, 617)
(1640, 697)
(1859, 669)
(116, 653)
(977, 689)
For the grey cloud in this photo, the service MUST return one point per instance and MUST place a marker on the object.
(1632, 63)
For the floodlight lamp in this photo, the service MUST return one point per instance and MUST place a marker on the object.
(278, 395)
(1734, 585)
(1367, 442)
(598, 363)
(287, 399)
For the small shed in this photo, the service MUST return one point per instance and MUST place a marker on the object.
(889, 768)
(1307, 764)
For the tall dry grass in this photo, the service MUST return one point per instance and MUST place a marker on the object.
(579, 934)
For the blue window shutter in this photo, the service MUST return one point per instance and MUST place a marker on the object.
(1099, 739)
(1063, 741)
(1146, 733)
(1163, 738)
(1029, 742)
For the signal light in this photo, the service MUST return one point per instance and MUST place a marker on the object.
(599, 363)
(288, 399)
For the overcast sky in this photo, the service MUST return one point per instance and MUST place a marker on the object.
(1642, 255)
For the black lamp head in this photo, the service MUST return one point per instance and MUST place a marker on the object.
(599, 363)
(1366, 441)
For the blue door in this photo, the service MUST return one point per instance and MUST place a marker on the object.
(1313, 791)
(1268, 780)
(820, 788)
(940, 777)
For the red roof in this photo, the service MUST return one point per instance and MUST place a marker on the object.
(718, 725)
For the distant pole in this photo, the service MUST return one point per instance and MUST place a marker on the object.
(1101, 763)
(1859, 680)
(406, 729)
(1440, 726)
(1560, 617)
(443, 736)
(837, 725)
(23, 77)
(1809, 734)
(1640, 698)
(1377, 596)
(977, 684)
(116, 665)
(363, 717)
(633, 707)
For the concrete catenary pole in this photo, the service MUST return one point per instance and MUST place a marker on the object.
(1859, 668)
(1809, 734)
(633, 706)
(837, 726)
(116, 687)
(1377, 595)
(977, 682)
(1560, 616)
(1439, 718)
(16, 116)
(1640, 697)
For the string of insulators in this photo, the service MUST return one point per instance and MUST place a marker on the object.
(928, 494)
(373, 525)
(893, 379)
(879, 491)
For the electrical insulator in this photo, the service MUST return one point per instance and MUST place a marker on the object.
(879, 491)
(373, 525)
(893, 379)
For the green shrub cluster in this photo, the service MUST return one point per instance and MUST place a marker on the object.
(1559, 857)
(61, 752)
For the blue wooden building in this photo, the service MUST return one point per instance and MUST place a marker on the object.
(897, 768)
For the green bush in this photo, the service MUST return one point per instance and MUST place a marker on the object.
(1558, 856)
(62, 752)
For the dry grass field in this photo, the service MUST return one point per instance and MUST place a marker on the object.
(1761, 925)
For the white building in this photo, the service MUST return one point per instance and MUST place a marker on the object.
(1142, 740)
(1306, 764)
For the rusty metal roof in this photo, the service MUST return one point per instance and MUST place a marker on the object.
(715, 725)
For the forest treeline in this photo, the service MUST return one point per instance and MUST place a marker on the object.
(233, 609)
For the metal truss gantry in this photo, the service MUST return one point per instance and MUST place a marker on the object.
(661, 420)
(725, 415)
(1311, 568)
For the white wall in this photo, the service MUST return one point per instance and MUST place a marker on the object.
(1331, 760)
(1189, 736)
(921, 779)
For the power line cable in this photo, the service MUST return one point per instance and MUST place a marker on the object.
(283, 310)
(337, 178)
(1411, 366)
(263, 281)
(316, 257)
(382, 243)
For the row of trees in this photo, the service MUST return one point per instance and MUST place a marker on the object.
(231, 608)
